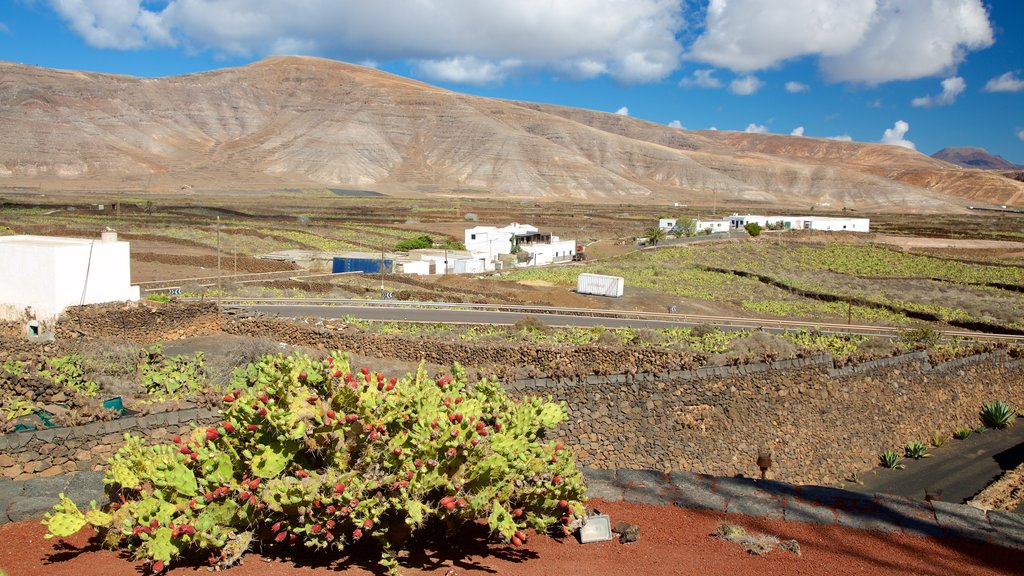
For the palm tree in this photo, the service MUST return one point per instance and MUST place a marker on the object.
(655, 235)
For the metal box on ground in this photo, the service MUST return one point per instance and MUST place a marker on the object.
(600, 285)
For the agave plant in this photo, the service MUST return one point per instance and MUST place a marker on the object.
(891, 459)
(998, 414)
(962, 433)
(938, 439)
(916, 450)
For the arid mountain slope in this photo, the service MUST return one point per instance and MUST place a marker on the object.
(294, 122)
(970, 157)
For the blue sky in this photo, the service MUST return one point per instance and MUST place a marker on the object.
(922, 73)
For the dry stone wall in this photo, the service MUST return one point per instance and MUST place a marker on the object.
(57, 451)
(820, 424)
(505, 361)
(139, 322)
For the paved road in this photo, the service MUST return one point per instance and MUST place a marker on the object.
(960, 468)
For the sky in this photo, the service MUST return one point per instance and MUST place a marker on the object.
(924, 74)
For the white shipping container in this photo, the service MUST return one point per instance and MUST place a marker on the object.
(600, 285)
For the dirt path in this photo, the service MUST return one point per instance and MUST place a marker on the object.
(673, 541)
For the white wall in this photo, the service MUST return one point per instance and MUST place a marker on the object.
(418, 267)
(50, 274)
(488, 239)
(541, 254)
(713, 225)
(667, 224)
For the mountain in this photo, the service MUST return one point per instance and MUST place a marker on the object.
(969, 157)
(299, 122)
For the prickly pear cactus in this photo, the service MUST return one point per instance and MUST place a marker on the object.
(311, 453)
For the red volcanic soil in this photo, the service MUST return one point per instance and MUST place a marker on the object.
(672, 541)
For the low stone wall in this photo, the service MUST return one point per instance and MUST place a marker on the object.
(58, 451)
(820, 424)
(506, 361)
(143, 322)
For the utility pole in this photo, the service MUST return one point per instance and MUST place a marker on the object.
(381, 268)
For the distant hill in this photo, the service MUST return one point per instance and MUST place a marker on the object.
(969, 157)
(300, 123)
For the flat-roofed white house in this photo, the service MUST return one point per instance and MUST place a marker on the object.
(43, 275)
(825, 223)
(489, 243)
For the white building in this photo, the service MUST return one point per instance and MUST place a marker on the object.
(488, 243)
(712, 226)
(667, 224)
(826, 223)
(43, 275)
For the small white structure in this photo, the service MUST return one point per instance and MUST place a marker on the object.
(47, 274)
(417, 267)
(712, 226)
(667, 224)
(600, 285)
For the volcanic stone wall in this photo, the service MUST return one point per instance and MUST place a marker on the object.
(139, 322)
(819, 423)
(55, 451)
(507, 361)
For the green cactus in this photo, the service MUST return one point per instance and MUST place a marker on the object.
(65, 521)
(310, 453)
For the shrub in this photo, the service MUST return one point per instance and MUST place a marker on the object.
(310, 454)
(916, 449)
(891, 459)
(171, 377)
(752, 228)
(938, 439)
(998, 414)
(69, 371)
(414, 244)
(962, 433)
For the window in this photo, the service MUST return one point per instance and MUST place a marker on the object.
(472, 236)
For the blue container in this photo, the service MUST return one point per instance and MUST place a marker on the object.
(364, 265)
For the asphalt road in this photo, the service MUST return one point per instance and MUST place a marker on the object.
(960, 468)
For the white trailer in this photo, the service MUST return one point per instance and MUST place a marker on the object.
(600, 285)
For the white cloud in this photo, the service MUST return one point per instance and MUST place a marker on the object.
(676, 124)
(796, 87)
(841, 138)
(704, 78)
(747, 35)
(910, 40)
(798, 131)
(863, 41)
(1008, 82)
(746, 85)
(4, 28)
(1020, 133)
(713, 129)
(756, 129)
(895, 136)
(118, 24)
(624, 111)
(467, 70)
(629, 40)
(876, 103)
(951, 88)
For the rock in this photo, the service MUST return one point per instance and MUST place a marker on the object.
(627, 532)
